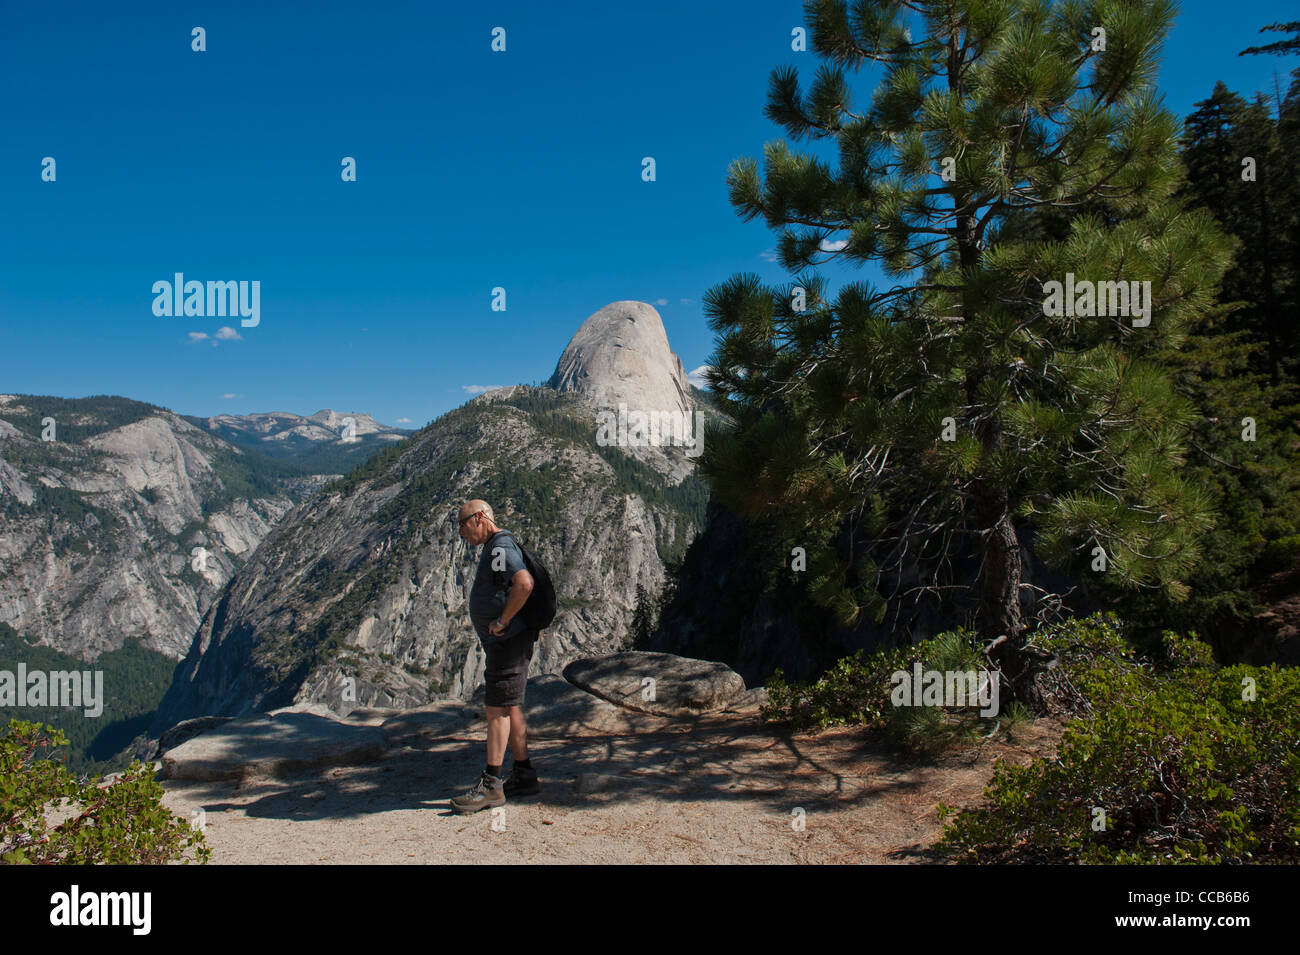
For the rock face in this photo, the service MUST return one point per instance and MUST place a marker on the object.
(658, 683)
(621, 354)
(100, 526)
(360, 598)
(620, 358)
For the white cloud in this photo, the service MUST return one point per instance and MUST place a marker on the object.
(198, 336)
(829, 246)
(687, 301)
(696, 377)
(231, 394)
(661, 301)
(478, 389)
(769, 255)
(403, 420)
(227, 334)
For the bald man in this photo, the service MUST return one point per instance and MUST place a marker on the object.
(501, 587)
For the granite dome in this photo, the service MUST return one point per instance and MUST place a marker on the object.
(621, 355)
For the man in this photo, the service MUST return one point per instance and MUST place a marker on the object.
(501, 587)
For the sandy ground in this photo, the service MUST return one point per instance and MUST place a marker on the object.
(721, 789)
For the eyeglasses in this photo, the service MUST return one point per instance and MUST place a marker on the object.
(475, 514)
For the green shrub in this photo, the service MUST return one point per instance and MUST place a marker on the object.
(1177, 762)
(853, 691)
(857, 691)
(1280, 554)
(119, 824)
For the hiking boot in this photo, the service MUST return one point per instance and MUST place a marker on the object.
(523, 781)
(486, 794)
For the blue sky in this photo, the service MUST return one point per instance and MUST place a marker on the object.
(475, 170)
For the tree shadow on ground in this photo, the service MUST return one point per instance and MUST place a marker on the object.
(722, 759)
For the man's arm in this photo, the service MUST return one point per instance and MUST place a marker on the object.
(521, 585)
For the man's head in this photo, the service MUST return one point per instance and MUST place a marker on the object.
(476, 522)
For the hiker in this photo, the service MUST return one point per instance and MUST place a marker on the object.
(501, 587)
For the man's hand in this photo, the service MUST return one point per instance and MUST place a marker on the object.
(521, 585)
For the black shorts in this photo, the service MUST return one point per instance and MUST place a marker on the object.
(507, 669)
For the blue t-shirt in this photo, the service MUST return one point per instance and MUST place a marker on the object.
(491, 590)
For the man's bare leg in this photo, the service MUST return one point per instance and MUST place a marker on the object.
(498, 732)
(518, 733)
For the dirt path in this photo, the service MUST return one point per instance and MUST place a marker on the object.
(721, 789)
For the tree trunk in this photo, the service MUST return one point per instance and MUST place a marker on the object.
(1000, 621)
(999, 611)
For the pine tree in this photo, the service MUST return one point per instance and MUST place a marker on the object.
(1212, 155)
(638, 636)
(1236, 169)
(892, 431)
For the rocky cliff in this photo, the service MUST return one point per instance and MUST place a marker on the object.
(104, 504)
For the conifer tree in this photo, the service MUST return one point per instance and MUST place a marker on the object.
(890, 431)
(1237, 170)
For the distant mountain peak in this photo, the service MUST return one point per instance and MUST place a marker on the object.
(620, 355)
(323, 426)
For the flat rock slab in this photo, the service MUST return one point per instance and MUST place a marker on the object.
(187, 729)
(444, 718)
(556, 709)
(371, 716)
(280, 745)
(659, 683)
(750, 702)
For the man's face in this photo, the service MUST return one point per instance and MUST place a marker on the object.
(474, 529)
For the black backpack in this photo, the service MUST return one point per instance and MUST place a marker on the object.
(539, 609)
